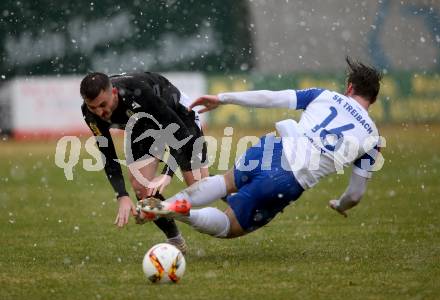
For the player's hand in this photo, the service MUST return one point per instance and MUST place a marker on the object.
(334, 204)
(210, 102)
(126, 206)
(158, 184)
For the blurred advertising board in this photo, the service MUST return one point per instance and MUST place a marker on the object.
(404, 97)
(46, 107)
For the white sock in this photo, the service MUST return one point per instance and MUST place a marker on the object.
(209, 220)
(203, 192)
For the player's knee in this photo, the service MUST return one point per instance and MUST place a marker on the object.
(135, 184)
(235, 229)
(138, 188)
(230, 182)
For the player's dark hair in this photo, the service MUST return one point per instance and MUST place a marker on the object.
(365, 79)
(93, 84)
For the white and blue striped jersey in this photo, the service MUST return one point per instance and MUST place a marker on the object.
(334, 131)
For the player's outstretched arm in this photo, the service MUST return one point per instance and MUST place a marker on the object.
(210, 102)
(260, 98)
(352, 195)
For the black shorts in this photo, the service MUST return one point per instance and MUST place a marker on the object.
(186, 160)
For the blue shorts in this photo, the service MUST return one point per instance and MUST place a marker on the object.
(265, 184)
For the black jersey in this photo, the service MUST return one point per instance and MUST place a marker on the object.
(139, 92)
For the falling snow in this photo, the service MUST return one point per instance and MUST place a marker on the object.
(261, 45)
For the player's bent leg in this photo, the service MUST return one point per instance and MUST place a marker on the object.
(139, 172)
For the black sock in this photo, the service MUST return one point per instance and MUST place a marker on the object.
(168, 226)
(159, 196)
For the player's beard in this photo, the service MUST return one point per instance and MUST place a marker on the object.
(113, 107)
(106, 116)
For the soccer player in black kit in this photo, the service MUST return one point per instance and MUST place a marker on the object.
(109, 102)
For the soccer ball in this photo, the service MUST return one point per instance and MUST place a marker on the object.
(164, 263)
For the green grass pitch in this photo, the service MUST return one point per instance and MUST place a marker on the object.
(58, 242)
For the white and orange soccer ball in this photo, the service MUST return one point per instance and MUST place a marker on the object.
(164, 263)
